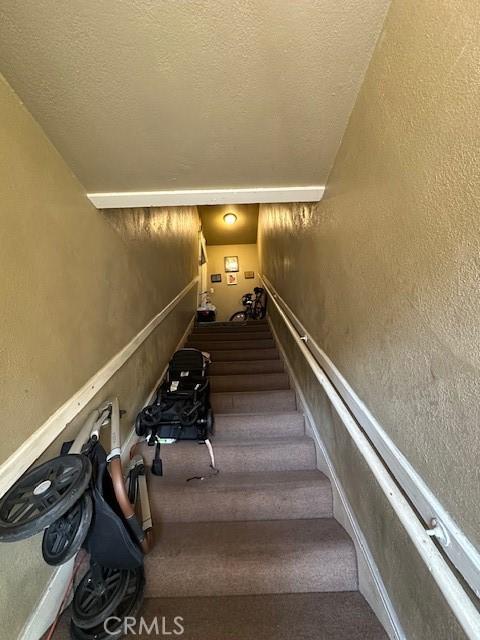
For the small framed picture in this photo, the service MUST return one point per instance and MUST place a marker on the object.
(216, 277)
(231, 264)
(232, 278)
(249, 275)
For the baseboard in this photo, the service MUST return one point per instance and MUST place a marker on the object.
(46, 610)
(371, 584)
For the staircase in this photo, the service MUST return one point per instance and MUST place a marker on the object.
(254, 552)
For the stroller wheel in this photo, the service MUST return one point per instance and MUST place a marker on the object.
(42, 495)
(238, 316)
(98, 595)
(140, 428)
(210, 422)
(148, 417)
(186, 420)
(129, 606)
(63, 539)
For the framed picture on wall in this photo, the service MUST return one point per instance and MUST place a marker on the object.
(231, 264)
(232, 278)
(216, 277)
(249, 275)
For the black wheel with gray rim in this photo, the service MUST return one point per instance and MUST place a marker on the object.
(98, 595)
(64, 538)
(42, 495)
(210, 422)
(129, 607)
(258, 311)
(188, 419)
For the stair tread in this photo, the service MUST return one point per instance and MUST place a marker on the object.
(231, 335)
(217, 537)
(339, 616)
(254, 414)
(220, 441)
(224, 345)
(258, 425)
(274, 556)
(245, 376)
(264, 401)
(249, 479)
(255, 495)
(237, 367)
(243, 355)
(249, 376)
(237, 455)
(254, 393)
(233, 382)
(248, 324)
(224, 440)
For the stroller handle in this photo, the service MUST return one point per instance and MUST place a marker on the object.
(116, 472)
(91, 427)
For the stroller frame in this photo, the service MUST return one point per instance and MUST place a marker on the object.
(109, 414)
(181, 409)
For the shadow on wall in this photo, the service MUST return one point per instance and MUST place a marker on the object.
(227, 297)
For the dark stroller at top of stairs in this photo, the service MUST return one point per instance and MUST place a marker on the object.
(181, 409)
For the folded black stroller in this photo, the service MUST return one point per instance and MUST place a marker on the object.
(113, 586)
(181, 409)
(80, 499)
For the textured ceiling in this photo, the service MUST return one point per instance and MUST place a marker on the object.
(244, 231)
(184, 94)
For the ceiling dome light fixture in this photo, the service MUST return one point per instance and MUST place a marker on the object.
(229, 218)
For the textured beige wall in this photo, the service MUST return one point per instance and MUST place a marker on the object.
(417, 600)
(22, 570)
(384, 272)
(76, 286)
(227, 298)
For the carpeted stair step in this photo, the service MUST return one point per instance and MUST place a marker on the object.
(248, 366)
(224, 345)
(257, 426)
(231, 335)
(188, 458)
(250, 382)
(251, 552)
(253, 401)
(233, 355)
(229, 331)
(250, 325)
(303, 616)
(344, 615)
(234, 558)
(278, 495)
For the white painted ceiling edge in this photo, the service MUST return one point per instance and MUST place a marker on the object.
(130, 199)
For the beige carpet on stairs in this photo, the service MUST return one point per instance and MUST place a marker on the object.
(253, 553)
